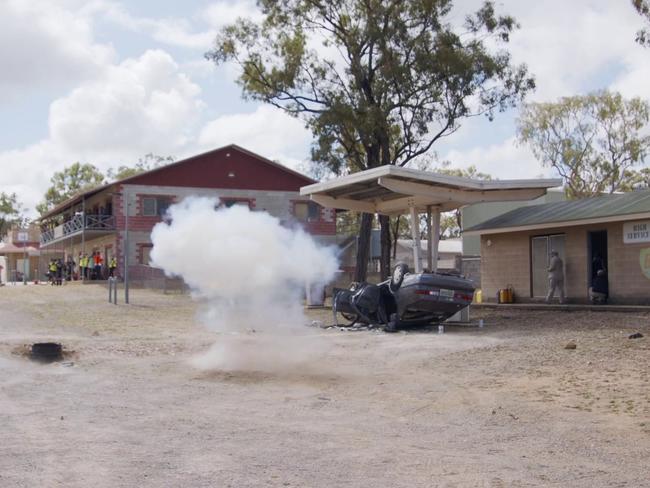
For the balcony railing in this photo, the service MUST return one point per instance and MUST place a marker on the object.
(77, 224)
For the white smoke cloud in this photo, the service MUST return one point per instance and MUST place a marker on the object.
(250, 273)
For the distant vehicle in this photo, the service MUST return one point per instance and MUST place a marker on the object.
(406, 299)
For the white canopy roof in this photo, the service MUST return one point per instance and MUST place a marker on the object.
(394, 190)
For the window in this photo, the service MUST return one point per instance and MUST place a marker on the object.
(155, 206)
(233, 202)
(306, 211)
(145, 253)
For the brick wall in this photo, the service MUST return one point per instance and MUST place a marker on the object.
(507, 261)
(277, 203)
(471, 269)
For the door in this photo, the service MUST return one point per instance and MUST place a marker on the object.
(597, 253)
(541, 247)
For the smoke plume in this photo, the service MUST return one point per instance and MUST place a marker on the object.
(250, 273)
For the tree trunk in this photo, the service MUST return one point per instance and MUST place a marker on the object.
(395, 236)
(363, 247)
(384, 262)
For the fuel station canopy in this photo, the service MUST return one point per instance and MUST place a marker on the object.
(392, 190)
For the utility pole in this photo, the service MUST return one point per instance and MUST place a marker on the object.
(23, 236)
(126, 247)
(83, 237)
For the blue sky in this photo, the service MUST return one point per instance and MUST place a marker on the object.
(107, 81)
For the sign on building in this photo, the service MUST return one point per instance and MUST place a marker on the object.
(22, 236)
(636, 232)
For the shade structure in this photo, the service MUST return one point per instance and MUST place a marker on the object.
(8, 248)
(392, 190)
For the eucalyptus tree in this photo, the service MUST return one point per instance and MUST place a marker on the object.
(68, 182)
(377, 81)
(595, 142)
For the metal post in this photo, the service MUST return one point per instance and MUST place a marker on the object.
(415, 233)
(112, 290)
(83, 234)
(436, 239)
(25, 265)
(126, 247)
(429, 241)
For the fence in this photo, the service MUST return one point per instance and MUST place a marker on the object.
(76, 224)
(144, 276)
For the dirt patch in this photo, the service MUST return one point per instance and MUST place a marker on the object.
(506, 405)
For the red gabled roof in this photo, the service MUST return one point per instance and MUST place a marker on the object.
(228, 167)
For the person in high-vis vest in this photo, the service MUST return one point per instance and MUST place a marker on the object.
(86, 266)
(112, 265)
(52, 270)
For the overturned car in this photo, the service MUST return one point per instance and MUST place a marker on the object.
(406, 299)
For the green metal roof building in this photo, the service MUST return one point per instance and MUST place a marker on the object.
(610, 232)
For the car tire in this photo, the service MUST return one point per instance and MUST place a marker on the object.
(397, 277)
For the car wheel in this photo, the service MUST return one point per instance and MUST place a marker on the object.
(350, 317)
(397, 277)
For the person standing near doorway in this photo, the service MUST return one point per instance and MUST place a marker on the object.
(59, 266)
(555, 277)
(83, 263)
(112, 265)
(97, 273)
(52, 272)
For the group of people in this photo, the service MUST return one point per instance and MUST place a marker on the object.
(55, 271)
(91, 267)
(599, 289)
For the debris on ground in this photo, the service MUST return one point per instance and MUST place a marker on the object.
(636, 335)
(570, 345)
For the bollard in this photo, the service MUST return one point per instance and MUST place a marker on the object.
(112, 291)
(480, 323)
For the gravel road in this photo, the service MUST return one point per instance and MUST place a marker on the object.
(502, 406)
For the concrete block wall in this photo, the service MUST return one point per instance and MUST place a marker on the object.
(505, 260)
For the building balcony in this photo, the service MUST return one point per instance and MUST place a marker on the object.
(91, 225)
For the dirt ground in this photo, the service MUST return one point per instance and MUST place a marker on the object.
(502, 406)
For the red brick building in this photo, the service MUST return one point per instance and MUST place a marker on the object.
(96, 220)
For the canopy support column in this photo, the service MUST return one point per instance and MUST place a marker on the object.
(415, 233)
(429, 242)
(434, 239)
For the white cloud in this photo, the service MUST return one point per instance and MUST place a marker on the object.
(568, 45)
(141, 105)
(170, 31)
(267, 131)
(222, 13)
(502, 160)
(196, 31)
(27, 172)
(569, 52)
(43, 44)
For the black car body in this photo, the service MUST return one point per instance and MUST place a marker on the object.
(404, 300)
